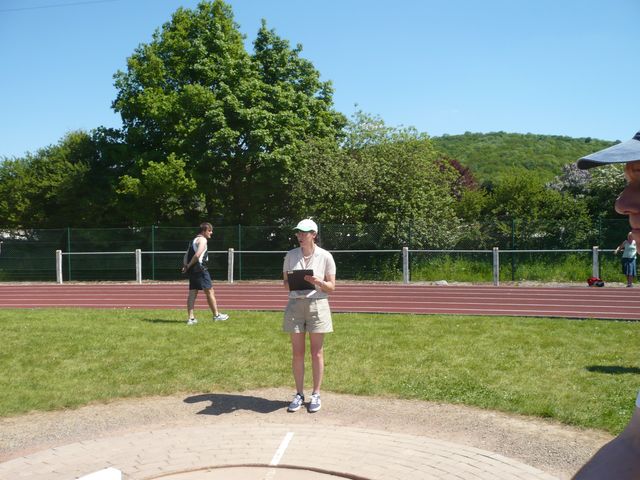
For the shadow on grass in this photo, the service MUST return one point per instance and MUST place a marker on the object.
(221, 403)
(162, 320)
(613, 369)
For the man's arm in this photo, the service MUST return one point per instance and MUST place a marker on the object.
(620, 458)
(196, 256)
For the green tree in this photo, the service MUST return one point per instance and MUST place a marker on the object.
(193, 94)
(383, 176)
(49, 188)
(14, 190)
(159, 194)
(471, 208)
(540, 217)
(602, 188)
(69, 184)
(597, 187)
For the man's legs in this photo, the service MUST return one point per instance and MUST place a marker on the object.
(191, 301)
(211, 300)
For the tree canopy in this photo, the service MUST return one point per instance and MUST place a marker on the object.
(225, 123)
(67, 184)
(384, 176)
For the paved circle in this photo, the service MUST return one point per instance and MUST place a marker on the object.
(349, 452)
(254, 473)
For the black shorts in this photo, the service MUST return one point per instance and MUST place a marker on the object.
(200, 281)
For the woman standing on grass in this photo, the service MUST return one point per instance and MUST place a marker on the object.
(308, 310)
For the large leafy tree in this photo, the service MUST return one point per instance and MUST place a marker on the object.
(384, 176)
(226, 124)
(523, 212)
(14, 192)
(66, 184)
(597, 187)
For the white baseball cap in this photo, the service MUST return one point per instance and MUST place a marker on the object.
(306, 225)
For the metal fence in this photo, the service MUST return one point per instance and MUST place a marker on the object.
(364, 252)
(138, 262)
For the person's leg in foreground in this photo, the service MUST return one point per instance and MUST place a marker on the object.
(620, 458)
(297, 366)
(298, 348)
(317, 365)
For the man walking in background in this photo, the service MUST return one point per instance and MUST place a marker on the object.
(194, 264)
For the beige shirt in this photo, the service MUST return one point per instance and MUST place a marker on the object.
(321, 262)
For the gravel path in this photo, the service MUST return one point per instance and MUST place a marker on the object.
(548, 446)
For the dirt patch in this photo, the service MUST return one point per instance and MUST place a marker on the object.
(548, 446)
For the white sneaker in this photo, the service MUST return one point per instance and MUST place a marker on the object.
(297, 402)
(220, 317)
(315, 404)
(192, 321)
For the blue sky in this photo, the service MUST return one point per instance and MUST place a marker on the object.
(556, 67)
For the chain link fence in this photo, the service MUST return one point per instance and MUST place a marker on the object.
(29, 254)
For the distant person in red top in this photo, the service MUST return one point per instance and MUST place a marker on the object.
(194, 264)
(620, 458)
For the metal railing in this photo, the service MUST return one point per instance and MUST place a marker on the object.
(405, 252)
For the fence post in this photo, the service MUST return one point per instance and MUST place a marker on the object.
(405, 264)
(595, 270)
(239, 254)
(496, 267)
(138, 265)
(69, 251)
(59, 266)
(513, 247)
(153, 250)
(230, 266)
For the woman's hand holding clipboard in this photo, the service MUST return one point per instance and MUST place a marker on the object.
(296, 280)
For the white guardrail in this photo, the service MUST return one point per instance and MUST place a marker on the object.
(231, 253)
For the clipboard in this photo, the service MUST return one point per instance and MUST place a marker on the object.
(297, 281)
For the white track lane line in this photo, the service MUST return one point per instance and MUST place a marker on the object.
(281, 449)
(271, 473)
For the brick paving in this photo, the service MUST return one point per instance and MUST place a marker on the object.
(269, 452)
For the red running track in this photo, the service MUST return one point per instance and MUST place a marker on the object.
(570, 302)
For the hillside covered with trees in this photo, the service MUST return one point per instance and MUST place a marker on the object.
(490, 155)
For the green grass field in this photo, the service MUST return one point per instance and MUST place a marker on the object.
(583, 373)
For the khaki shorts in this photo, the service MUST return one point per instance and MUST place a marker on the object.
(307, 315)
